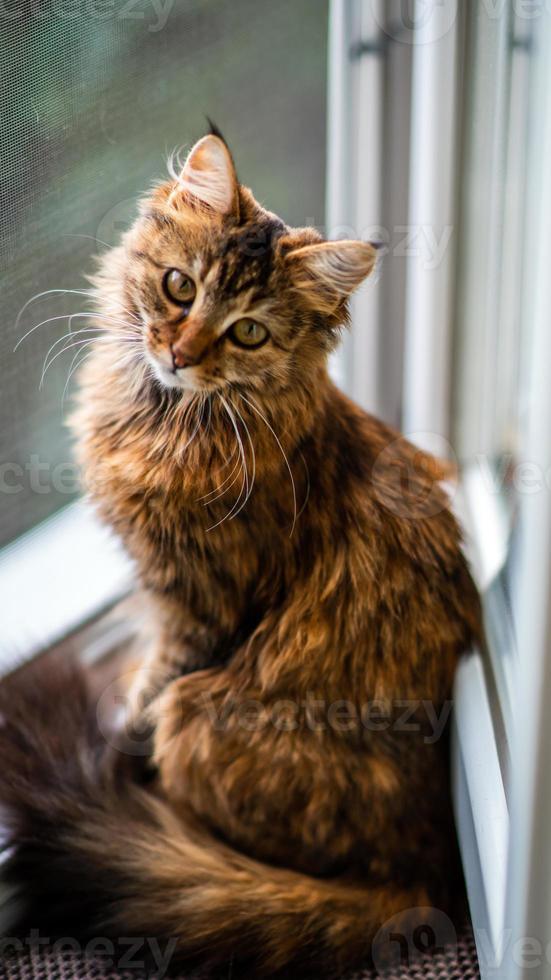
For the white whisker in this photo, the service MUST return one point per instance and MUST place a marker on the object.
(70, 317)
(75, 333)
(214, 494)
(74, 367)
(77, 343)
(88, 340)
(92, 238)
(245, 484)
(245, 426)
(197, 400)
(119, 362)
(48, 292)
(265, 420)
(241, 450)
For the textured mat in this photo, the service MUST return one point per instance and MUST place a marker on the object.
(455, 962)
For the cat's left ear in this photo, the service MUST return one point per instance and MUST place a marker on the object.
(327, 273)
(208, 176)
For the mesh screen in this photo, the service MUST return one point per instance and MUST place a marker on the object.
(457, 962)
(93, 96)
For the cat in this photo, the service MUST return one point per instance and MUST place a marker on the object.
(309, 601)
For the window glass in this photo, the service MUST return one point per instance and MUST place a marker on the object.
(493, 292)
(94, 96)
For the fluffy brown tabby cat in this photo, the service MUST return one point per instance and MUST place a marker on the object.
(310, 602)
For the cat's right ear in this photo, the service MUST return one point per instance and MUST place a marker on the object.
(208, 177)
(326, 273)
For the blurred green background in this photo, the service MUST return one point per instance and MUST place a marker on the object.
(93, 96)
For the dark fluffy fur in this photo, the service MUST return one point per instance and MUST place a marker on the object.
(92, 855)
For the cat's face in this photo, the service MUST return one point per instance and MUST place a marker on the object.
(226, 293)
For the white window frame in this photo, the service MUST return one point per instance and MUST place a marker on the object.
(500, 776)
(70, 569)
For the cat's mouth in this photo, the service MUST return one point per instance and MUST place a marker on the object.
(190, 378)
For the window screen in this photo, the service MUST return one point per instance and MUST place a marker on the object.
(94, 94)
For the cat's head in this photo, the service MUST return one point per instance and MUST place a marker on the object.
(224, 291)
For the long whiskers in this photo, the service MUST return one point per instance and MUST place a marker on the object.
(90, 293)
(92, 238)
(242, 456)
(74, 367)
(197, 401)
(79, 343)
(48, 292)
(253, 455)
(124, 335)
(265, 420)
(74, 316)
(214, 494)
(129, 357)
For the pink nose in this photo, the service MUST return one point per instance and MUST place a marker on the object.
(182, 359)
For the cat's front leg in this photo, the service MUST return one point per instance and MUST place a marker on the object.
(175, 643)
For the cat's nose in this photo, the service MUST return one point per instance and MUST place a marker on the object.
(182, 358)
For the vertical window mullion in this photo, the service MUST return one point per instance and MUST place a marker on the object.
(432, 223)
(355, 167)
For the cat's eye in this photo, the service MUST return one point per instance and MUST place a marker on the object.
(179, 287)
(248, 333)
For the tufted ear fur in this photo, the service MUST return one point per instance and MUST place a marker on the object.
(208, 176)
(328, 272)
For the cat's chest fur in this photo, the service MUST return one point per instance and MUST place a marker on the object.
(200, 529)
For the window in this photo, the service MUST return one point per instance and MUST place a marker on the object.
(438, 145)
(494, 320)
(463, 193)
(95, 96)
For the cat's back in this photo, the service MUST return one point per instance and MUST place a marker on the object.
(395, 500)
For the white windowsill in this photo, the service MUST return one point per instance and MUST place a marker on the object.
(56, 578)
(482, 516)
(481, 750)
(481, 810)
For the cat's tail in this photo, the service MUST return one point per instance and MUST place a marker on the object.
(87, 855)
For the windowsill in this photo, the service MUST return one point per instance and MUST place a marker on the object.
(484, 522)
(481, 723)
(481, 807)
(55, 579)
